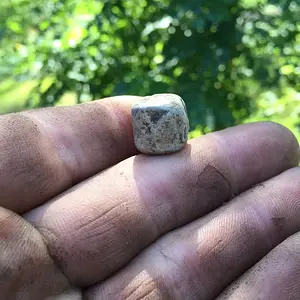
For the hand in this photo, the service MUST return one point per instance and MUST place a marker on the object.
(84, 217)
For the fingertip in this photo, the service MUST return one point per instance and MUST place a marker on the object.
(260, 149)
(121, 100)
(287, 138)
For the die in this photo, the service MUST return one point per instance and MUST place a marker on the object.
(160, 124)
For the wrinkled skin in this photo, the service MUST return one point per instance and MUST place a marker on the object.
(84, 216)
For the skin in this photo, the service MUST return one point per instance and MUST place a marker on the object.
(84, 216)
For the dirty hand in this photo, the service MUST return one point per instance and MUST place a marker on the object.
(83, 216)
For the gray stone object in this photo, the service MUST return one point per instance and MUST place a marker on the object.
(160, 124)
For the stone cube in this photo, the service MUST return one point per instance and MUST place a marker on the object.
(160, 124)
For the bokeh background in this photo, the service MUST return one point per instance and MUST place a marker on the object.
(232, 61)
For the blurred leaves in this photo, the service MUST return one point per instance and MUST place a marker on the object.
(220, 56)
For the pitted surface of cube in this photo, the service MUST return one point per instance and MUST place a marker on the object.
(160, 124)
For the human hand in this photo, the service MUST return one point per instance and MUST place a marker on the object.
(84, 216)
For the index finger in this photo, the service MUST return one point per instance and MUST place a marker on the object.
(45, 151)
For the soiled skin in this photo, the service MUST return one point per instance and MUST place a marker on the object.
(84, 216)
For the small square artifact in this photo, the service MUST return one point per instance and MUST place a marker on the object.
(160, 124)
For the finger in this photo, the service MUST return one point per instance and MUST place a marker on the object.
(26, 270)
(192, 263)
(97, 227)
(43, 152)
(276, 276)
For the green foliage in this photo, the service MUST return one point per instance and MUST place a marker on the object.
(220, 56)
(284, 110)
